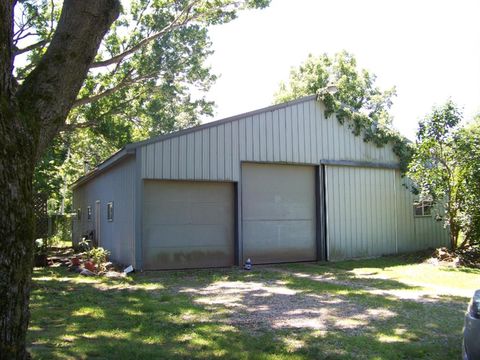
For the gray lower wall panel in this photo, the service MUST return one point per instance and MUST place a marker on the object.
(278, 213)
(187, 224)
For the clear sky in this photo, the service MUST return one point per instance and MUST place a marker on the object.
(430, 50)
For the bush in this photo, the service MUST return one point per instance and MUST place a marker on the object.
(99, 256)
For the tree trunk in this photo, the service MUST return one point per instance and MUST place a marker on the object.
(16, 220)
(466, 242)
(16, 237)
(30, 117)
(454, 231)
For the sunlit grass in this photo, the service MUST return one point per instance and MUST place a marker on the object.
(408, 274)
(428, 276)
(93, 312)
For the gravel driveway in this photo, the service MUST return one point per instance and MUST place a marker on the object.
(272, 304)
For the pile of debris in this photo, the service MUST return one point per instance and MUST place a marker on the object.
(467, 256)
(83, 264)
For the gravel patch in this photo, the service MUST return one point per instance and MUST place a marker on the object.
(271, 304)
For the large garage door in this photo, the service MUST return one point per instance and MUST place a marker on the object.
(187, 224)
(278, 213)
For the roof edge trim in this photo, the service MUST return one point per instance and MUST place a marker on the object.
(109, 162)
(356, 163)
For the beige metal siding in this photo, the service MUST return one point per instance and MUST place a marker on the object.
(117, 185)
(297, 133)
(278, 213)
(370, 213)
(416, 233)
(361, 212)
(187, 224)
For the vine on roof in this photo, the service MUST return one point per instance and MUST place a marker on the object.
(374, 132)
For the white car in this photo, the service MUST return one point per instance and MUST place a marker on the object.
(471, 331)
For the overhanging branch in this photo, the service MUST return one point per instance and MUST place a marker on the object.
(176, 23)
(31, 47)
(122, 84)
(117, 109)
(90, 99)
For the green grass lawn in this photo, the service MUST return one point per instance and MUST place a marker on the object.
(202, 315)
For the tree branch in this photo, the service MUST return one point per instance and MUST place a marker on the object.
(176, 23)
(37, 45)
(117, 109)
(52, 14)
(22, 36)
(122, 84)
(139, 20)
(23, 26)
(50, 90)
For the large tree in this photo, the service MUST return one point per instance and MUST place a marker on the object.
(435, 167)
(77, 59)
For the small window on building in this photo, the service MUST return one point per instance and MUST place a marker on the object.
(110, 211)
(423, 208)
(89, 213)
(79, 214)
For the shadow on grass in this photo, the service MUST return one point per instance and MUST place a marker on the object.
(72, 319)
(342, 273)
(169, 316)
(463, 270)
(384, 327)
